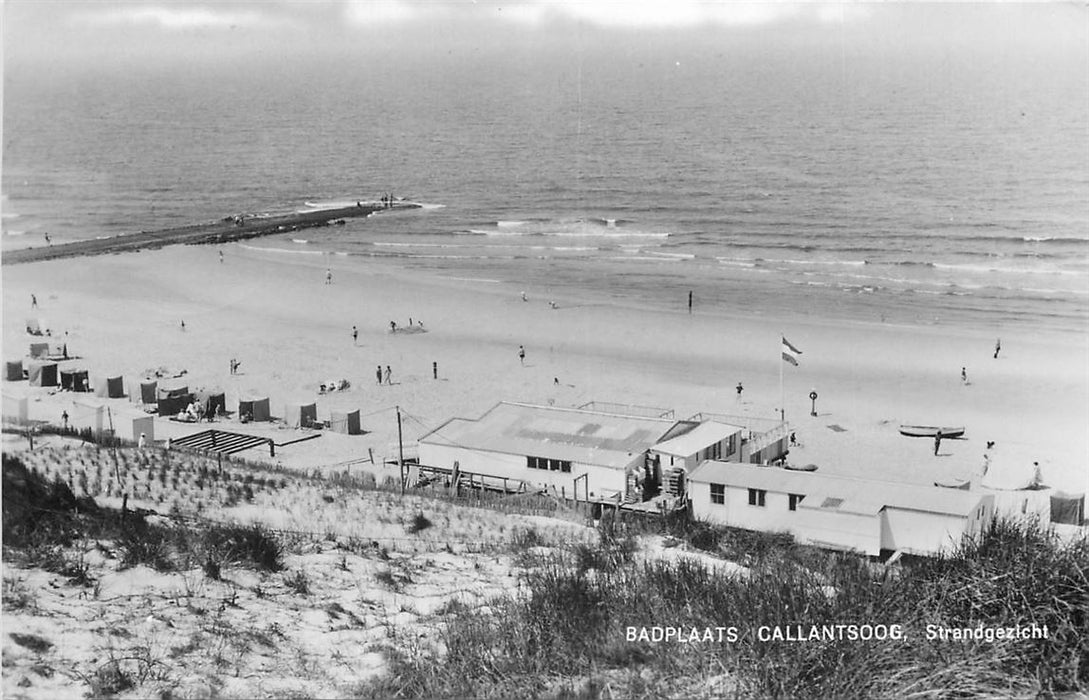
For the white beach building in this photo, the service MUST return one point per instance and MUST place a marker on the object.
(576, 453)
(838, 512)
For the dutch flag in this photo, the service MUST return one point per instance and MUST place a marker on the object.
(790, 353)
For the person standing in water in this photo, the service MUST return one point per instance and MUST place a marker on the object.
(997, 348)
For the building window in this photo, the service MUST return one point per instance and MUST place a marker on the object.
(756, 497)
(714, 451)
(555, 465)
(795, 499)
(718, 494)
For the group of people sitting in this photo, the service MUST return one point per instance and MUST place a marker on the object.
(333, 385)
(195, 412)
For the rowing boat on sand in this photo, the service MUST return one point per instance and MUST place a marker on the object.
(929, 431)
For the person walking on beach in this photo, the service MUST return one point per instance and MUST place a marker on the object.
(221, 257)
(33, 301)
(937, 442)
(739, 390)
(524, 297)
(64, 419)
(389, 376)
(47, 240)
(183, 324)
(997, 348)
(522, 355)
(963, 375)
(378, 374)
(328, 276)
(689, 301)
(143, 439)
(355, 336)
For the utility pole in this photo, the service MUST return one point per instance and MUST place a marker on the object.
(400, 451)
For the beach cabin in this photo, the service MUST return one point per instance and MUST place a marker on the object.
(346, 422)
(110, 387)
(16, 409)
(74, 380)
(300, 415)
(214, 402)
(13, 371)
(42, 373)
(575, 453)
(145, 426)
(147, 392)
(683, 450)
(255, 408)
(87, 413)
(836, 512)
(172, 398)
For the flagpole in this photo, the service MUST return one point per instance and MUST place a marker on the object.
(782, 394)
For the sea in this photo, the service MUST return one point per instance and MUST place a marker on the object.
(937, 186)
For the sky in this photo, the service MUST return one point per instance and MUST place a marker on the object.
(42, 34)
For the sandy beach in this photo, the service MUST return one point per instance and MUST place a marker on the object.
(273, 311)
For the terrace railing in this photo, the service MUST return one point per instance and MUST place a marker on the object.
(627, 409)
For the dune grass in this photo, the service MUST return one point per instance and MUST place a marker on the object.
(567, 635)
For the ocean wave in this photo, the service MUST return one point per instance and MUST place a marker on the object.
(901, 263)
(679, 256)
(605, 233)
(963, 267)
(293, 251)
(736, 263)
(643, 258)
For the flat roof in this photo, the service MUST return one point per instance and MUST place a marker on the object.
(841, 493)
(702, 436)
(587, 437)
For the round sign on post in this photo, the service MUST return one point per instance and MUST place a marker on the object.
(813, 398)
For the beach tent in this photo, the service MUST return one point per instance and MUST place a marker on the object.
(172, 390)
(87, 412)
(13, 370)
(16, 409)
(300, 415)
(147, 392)
(42, 373)
(213, 401)
(173, 405)
(74, 379)
(256, 407)
(1067, 507)
(346, 422)
(110, 387)
(39, 349)
(145, 425)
